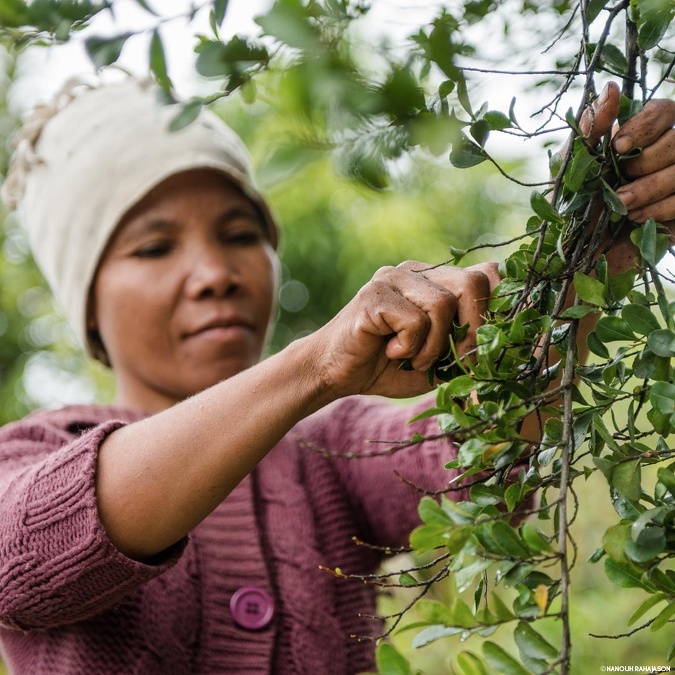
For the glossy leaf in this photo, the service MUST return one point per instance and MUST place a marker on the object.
(624, 574)
(645, 606)
(466, 153)
(640, 318)
(589, 289)
(158, 60)
(501, 661)
(662, 342)
(664, 617)
(662, 397)
(105, 51)
(470, 664)
(613, 328)
(543, 208)
(532, 644)
(390, 661)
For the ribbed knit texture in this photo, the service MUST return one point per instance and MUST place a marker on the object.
(71, 603)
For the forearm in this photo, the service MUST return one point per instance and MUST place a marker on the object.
(158, 478)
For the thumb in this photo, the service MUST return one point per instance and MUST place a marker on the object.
(598, 118)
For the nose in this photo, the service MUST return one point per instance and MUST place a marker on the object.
(212, 272)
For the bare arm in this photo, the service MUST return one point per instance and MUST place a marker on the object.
(158, 478)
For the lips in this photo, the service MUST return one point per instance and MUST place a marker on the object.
(217, 324)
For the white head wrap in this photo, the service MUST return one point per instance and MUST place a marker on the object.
(84, 161)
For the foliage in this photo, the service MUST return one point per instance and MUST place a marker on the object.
(374, 119)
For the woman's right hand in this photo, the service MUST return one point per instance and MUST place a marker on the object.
(404, 312)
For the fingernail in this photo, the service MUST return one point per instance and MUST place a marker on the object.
(623, 144)
(625, 196)
(604, 94)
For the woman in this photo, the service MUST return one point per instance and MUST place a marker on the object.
(182, 530)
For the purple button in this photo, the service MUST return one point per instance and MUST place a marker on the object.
(252, 607)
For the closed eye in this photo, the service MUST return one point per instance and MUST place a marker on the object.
(153, 250)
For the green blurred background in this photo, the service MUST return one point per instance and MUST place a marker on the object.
(336, 233)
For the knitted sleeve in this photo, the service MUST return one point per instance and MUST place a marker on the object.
(387, 488)
(57, 565)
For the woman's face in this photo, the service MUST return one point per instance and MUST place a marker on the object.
(184, 292)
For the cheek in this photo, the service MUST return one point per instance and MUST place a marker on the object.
(125, 309)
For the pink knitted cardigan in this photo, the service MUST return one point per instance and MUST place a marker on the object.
(71, 603)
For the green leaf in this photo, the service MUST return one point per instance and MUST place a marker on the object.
(655, 17)
(158, 60)
(508, 540)
(670, 654)
(497, 120)
(614, 541)
(512, 496)
(577, 312)
(218, 59)
(593, 9)
(621, 284)
(667, 477)
(650, 543)
(652, 245)
(664, 616)
(407, 579)
(461, 387)
(590, 290)
(543, 208)
(502, 612)
(662, 397)
(464, 577)
(640, 318)
(531, 644)
(534, 538)
(390, 661)
(428, 537)
(480, 130)
(646, 606)
(614, 58)
(433, 633)
(662, 342)
(486, 495)
(288, 22)
(596, 347)
(501, 661)
(466, 153)
(188, 114)
(470, 664)
(105, 51)
(626, 480)
(612, 200)
(579, 168)
(624, 575)
(146, 7)
(219, 10)
(613, 328)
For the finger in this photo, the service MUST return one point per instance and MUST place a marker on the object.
(648, 190)
(387, 314)
(646, 127)
(438, 306)
(472, 308)
(598, 118)
(662, 211)
(654, 157)
(491, 271)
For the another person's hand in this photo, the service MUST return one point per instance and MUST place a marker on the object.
(651, 192)
(404, 312)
